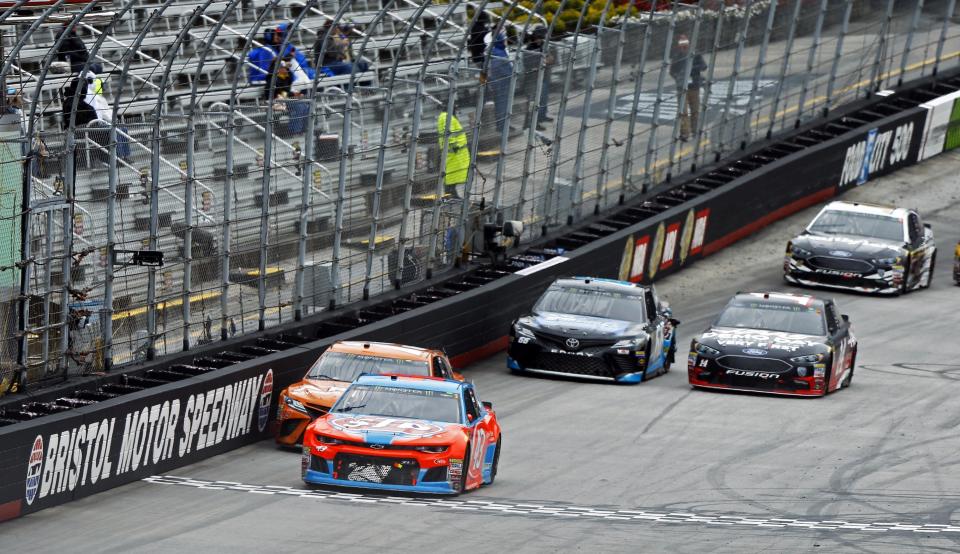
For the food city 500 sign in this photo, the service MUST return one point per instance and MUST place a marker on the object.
(69, 460)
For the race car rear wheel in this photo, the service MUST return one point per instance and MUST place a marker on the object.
(928, 276)
(849, 378)
(671, 354)
(466, 470)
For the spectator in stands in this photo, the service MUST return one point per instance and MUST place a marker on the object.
(537, 51)
(71, 50)
(285, 106)
(497, 78)
(688, 100)
(282, 78)
(93, 110)
(261, 58)
(478, 30)
(337, 58)
(457, 165)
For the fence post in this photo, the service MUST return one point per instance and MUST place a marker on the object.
(761, 60)
(382, 153)
(627, 165)
(576, 200)
(741, 42)
(683, 90)
(532, 134)
(435, 223)
(603, 186)
(951, 5)
(794, 19)
(558, 131)
(906, 49)
(411, 172)
(811, 62)
(706, 95)
(876, 78)
(831, 82)
(654, 126)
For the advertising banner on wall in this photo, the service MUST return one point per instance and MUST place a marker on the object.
(83, 451)
(942, 128)
(882, 149)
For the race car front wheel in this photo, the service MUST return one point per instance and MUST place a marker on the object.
(466, 470)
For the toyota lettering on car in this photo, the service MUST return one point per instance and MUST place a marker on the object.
(778, 343)
(414, 434)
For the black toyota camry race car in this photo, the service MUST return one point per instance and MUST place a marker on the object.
(864, 248)
(595, 329)
(775, 342)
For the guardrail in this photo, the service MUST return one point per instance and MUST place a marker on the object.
(222, 395)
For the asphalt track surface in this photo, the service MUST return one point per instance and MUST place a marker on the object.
(654, 467)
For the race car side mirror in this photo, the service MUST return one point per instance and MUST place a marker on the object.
(845, 318)
(488, 405)
(469, 417)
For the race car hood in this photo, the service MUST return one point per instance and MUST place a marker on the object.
(581, 326)
(321, 392)
(387, 430)
(756, 342)
(848, 247)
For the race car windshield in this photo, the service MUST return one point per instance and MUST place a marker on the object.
(383, 401)
(833, 222)
(787, 318)
(342, 366)
(592, 303)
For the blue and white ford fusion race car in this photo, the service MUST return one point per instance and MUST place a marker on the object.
(595, 329)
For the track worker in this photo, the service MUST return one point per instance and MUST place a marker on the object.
(688, 105)
(458, 155)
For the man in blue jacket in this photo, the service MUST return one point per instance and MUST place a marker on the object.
(498, 79)
(261, 58)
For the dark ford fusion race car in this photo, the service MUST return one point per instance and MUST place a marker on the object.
(595, 329)
(862, 247)
(775, 342)
(417, 434)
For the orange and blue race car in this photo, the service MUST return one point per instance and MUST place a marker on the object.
(414, 434)
(337, 367)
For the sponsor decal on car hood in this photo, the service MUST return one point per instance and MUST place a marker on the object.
(323, 392)
(384, 430)
(758, 342)
(848, 247)
(581, 326)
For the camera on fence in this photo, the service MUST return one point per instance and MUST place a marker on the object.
(498, 238)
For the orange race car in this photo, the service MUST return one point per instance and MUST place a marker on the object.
(337, 367)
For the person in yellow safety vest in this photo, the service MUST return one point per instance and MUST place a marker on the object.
(458, 155)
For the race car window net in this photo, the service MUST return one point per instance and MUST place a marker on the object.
(383, 401)
(341, 366)
(592, 303)
(802, 320)
(834, 222)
